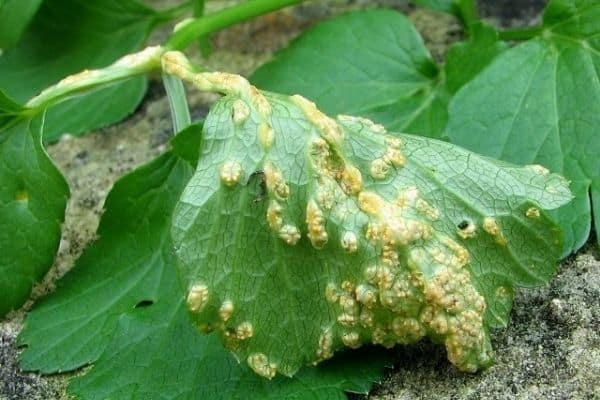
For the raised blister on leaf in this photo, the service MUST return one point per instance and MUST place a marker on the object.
(353, 235)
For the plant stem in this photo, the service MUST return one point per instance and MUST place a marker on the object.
(180, 111)
(126, 67)
(521, 33)
(199, 27)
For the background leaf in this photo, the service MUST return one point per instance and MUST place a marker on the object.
(33, 197)
(15, 15)
(539, 102)
(370, 63)
(121, 308)
(373, 64)
(67, 36)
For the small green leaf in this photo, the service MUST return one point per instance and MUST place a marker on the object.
(299, 234)
(369, 63)
(15, 15)
(68, 36)
(121, 307)
(33, 197)
(539, 102)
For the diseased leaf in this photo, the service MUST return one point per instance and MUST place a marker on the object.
(15, 15)
(299, 234)
(370, 63)
(33, 196)
(121, 308)
(67, 36)
(539, 102)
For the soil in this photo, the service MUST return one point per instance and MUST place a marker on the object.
(551, 347)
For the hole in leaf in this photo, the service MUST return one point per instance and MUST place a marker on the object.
(463, 224)
(144, 303)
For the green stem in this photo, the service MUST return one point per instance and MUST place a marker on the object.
(199, 27)
(521, 33)
(467, 10)
(180, 111)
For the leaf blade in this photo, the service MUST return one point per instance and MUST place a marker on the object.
(33, 199)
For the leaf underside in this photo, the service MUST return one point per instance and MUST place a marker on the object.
(121, 307)
(299, 235)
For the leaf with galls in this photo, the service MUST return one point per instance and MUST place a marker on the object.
(299, 234)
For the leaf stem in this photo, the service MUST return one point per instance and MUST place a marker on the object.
(180, 111)
(126, 67)
(199, 27)
(521, 33)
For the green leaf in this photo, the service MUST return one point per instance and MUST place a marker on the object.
(122, 269)
(539, 102)
(299, 234)
(15, 15)
(121, 306)
(466, 59)
(68, 36)
(33, 197)
(10, 111)
(181, 364)
(369, 63)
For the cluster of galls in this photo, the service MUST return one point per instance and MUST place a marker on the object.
(418, 285)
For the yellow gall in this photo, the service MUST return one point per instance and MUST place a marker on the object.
(290, 234)
(366, 295)
(275, 182)
(266, 135)
(490, 225)
(324, 350)
(260, 364)
(239, 111)
(226, 310)
(351, 180)
(349, 241)
(316, 225)
(538, 169)
(370, 203)
(379, 169)
(231, 173)
(326, 126)
(427, 210)
(244, 330)
(532, 212)
(407, 197)
(274, 218)
(351, 339)
(197, 297)
(331, 293)
(394, 157)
